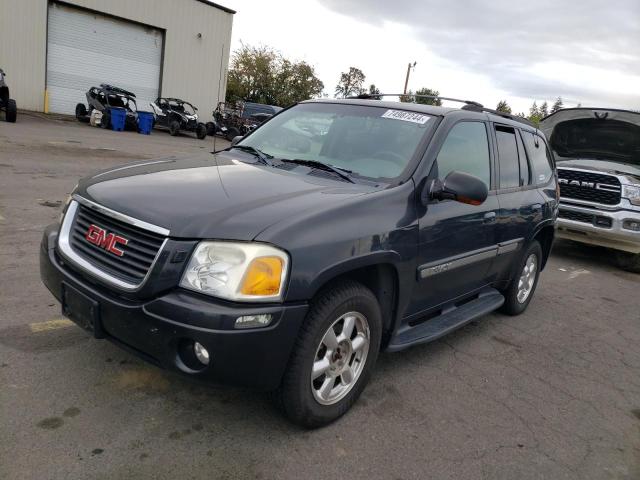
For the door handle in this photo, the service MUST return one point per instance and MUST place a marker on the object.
(490, 217)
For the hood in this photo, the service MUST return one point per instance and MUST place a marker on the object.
(594, 133)
(214, 196)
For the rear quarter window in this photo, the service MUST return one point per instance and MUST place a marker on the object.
(539, 156)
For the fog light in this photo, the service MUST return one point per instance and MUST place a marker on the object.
(254, 321)
(631, 225)
(202, 354)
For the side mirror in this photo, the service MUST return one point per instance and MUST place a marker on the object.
(458, 186)
(236, 140)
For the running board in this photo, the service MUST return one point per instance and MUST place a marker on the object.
(448, 321)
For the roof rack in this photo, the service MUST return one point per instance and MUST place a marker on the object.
(374, 96)
(470, 105)
(113, 89)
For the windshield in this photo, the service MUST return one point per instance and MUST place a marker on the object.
(369, 141)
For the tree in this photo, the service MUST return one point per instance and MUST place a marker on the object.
(410, 97)
(263, 75)
(557, 105)
(374, 92)
(350, 83)
(428, 101)
(544, 109)
(503, 106)
(534, 114)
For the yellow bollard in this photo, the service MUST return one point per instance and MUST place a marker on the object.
(46, 101)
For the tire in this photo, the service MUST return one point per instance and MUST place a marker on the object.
(12, 111)
(174, 128)
(628, 261)
(81, 112)
(513, 303)
(211, 128)
(299, 396)
(105, 121)
(232, 133)
(201, 131)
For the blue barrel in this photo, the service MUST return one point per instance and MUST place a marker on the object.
(118, 117)
(145, 122)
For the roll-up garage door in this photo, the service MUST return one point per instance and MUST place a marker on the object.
(86, 49)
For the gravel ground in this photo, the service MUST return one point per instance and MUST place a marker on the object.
(551, 394)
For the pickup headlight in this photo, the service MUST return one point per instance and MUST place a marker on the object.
(632, 193)
(237, 271)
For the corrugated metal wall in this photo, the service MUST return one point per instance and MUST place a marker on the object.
(191, 64)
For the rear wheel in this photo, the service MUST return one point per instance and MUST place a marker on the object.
(81, 112)
(174, 128)
(628, 261)
(12, 111)
(105, 121)
(333, 357)
(521, 289)
(201, 131)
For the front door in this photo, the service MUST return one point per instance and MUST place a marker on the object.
(457, 242)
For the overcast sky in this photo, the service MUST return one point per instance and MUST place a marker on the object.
(586, 51)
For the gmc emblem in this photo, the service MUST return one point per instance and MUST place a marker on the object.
(108, 241)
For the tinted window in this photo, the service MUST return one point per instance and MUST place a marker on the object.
(466, 149)
(508, 155)
(541, 162)
(525, 174)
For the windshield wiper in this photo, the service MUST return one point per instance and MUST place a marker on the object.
(343, 173)
(263, 157)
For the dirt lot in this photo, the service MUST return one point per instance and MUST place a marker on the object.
(552, 394)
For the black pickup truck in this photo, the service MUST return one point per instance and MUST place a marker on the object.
(287, 262)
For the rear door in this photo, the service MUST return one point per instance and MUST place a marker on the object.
(457, 241)
(521, 205)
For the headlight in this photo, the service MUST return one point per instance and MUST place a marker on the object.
(237, 271)
(632, 193)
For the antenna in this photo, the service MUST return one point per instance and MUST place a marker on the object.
(218, 96)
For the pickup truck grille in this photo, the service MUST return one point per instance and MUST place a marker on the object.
(139, 252)
(590, 187)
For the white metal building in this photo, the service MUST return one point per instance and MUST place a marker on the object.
(54, 51)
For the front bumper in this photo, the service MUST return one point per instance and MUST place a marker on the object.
(158, 329)
(605, 228)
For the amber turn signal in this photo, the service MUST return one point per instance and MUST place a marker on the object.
(263, 277)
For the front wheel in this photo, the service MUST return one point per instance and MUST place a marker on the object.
(520, 291)
(333, 357)
(174, 128)
(105, 121)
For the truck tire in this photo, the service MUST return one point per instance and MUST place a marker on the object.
(81, 112)
(12, 111)
(174, 128)
(628, 261)
(201, 131)
(334, 355)
(523, 285)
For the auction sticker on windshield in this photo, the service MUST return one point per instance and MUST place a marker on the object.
(406, 116)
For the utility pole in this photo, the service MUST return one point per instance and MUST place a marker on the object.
(406, 81)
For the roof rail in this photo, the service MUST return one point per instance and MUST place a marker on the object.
(375, 96)
(468, 104)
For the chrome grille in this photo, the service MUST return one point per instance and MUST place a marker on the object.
(139, 252)
(589, 186)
